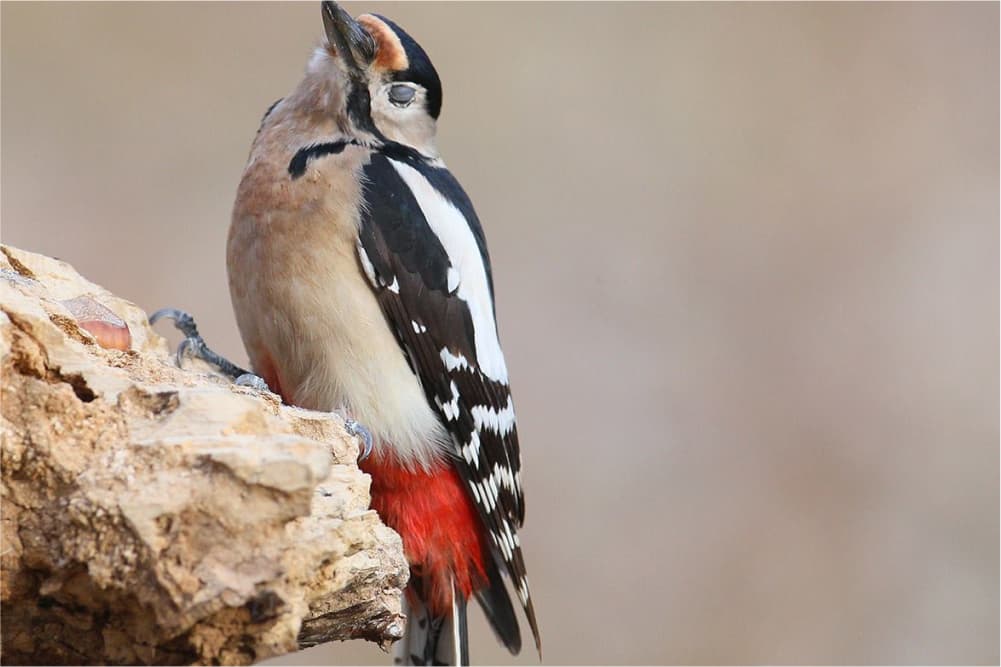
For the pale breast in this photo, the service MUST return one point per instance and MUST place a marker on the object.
(304, 307)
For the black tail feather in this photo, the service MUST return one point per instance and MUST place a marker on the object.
(497, 606)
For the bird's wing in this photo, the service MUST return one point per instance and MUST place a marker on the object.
(422, 248)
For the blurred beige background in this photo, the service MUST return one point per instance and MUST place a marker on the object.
(746, 259)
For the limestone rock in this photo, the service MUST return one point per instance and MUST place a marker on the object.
(159, 515)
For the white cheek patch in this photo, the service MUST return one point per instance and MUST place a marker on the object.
(460, 245)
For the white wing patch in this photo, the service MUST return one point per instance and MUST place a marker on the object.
(366, 264)
(470, 280)
(453, 362)
(500, 422)
(471, 452)
(453, 280)
(450, 408)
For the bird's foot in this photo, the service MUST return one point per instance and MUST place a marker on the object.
(194, 345)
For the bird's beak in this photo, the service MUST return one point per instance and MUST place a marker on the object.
(354, 46)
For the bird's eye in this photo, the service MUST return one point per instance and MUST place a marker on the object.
(401, 95)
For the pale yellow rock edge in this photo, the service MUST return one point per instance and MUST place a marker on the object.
(159, 515)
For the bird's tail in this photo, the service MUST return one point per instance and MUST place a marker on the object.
(431, 639)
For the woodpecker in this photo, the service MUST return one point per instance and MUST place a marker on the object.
(361, 283)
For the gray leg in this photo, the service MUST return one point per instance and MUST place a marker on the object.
(194, 345)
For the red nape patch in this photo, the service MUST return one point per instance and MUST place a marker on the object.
(442, 535)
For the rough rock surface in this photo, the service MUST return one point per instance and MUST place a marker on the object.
(159, 515)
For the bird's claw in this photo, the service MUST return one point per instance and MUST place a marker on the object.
(252, 381)
(183, 321)
(194, 345)
(356, 429)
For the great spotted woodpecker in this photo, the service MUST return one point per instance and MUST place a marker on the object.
(361, 282)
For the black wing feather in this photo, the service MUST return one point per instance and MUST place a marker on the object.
(411, 284)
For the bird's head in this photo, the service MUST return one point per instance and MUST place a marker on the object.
(379, 82)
